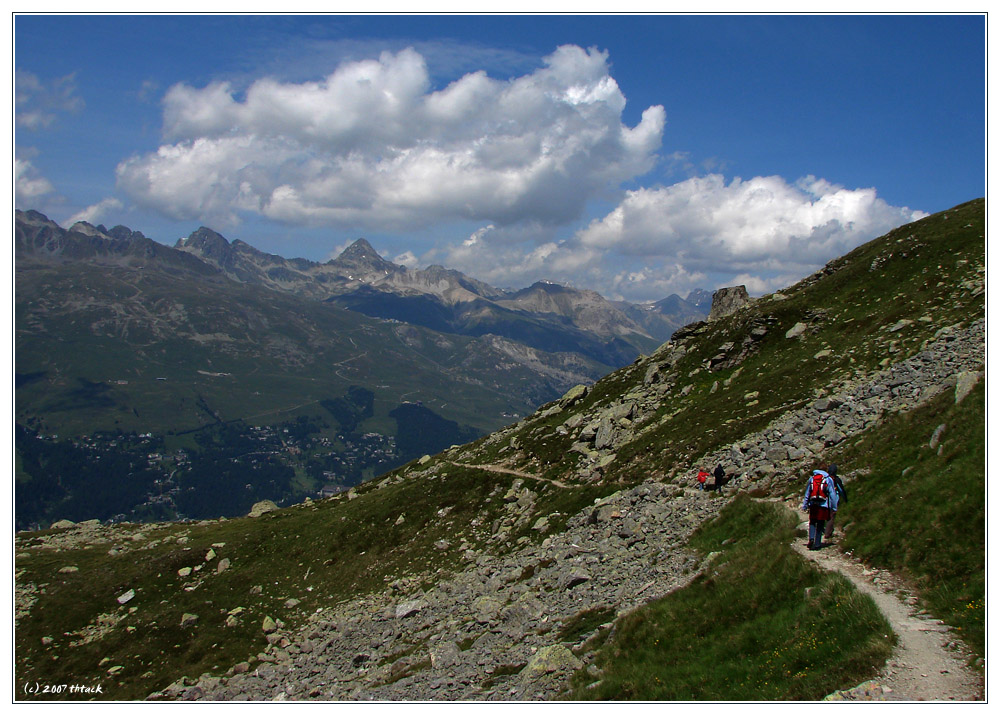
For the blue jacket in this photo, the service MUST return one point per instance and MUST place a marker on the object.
(831, 490)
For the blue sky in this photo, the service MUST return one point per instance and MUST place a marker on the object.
(636, 155)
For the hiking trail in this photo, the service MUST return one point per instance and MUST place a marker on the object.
(509, 471)
(928, 663)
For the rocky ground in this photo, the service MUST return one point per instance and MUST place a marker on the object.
(499, 629)
(491, 632)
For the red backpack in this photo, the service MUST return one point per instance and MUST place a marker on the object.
(817, 490)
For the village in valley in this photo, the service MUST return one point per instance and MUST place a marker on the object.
(159, 477)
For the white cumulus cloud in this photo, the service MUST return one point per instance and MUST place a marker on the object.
(704, 232)
(753, 223)
(373, 145)
(29, 184)
(95, 213)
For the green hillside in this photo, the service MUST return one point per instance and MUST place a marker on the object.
(105, 348)
(819, 366)
(153, 388)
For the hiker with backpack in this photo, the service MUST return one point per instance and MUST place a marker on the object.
(702, 478)
(720, 478)
(841, 496)
(821, 503)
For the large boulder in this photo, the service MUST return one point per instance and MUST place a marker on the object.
(728, 300)
(550, 659)
(262, 507)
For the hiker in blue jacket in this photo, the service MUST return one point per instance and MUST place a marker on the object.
(821, 503)
(841, 497)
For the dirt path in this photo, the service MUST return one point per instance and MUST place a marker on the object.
(508, 471)
(928, 662)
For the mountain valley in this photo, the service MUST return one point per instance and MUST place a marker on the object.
(121, 340)
(566, 553)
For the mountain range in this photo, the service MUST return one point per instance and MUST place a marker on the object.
(545, 316)
(116, 332)
(553, 335)
(571, 554)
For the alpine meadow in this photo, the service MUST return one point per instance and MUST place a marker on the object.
(570, 554)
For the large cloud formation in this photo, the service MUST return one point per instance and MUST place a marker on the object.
(758, 223)
(703, 232)
(372, 146)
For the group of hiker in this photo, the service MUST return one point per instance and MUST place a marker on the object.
(720, 479)
(824, 492)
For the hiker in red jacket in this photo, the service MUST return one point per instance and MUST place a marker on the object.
(702, 477)
(821, 503)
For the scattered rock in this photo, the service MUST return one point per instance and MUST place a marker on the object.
(408, 609)
(573, 395)
(549, 660)
(797, 330)
(261, 508)
(966, 382)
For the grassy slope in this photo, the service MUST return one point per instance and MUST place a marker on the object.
(713, 641)
(320, 553)
(760, 624)
(921, 512)
(941, 257)
(929, 269)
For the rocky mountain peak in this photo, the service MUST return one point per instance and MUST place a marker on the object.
(123, 233)
(701, 299)
(32, 217)
(361, 256)
(82, 227)
(204, 239)
(209, 245)
(360, 250)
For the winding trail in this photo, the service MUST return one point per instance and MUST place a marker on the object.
(928, 662)
(509, 471)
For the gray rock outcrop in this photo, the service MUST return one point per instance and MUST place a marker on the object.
(726, 301)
